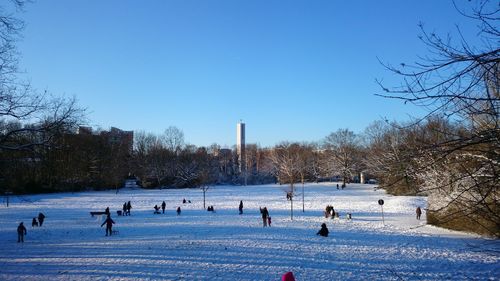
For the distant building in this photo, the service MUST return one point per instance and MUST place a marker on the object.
(84, 130)
(240, 146)
(120, 137)
(113, 136)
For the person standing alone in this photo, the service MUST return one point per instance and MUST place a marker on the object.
(21, 231)
(109, 225)
(419, 212)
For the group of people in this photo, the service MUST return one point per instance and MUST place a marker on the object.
(39, 222)
(157, 209)
(266, 218)
(126, 208)
(329, 211)
(21, 229)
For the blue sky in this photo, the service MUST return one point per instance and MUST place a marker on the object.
(291, 70)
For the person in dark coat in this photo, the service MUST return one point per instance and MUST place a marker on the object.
(129, 206)
(109, 225)
(240, 208)
(124, 208)
(265, 213)
(419, 212)
(41, 218)
(163, 205)
(107, 211)
(323, 231)
(178, 210)
(34, 222)
(21, 231)
(157, 209)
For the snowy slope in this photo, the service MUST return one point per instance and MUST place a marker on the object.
(200, 245)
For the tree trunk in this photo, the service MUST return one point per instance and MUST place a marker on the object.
(204, 191)
(303, 205)
(291, 203)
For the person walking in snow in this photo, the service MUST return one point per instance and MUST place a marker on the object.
(178, 210)
(41, 218)
(129, 206)
(323, 231)
(163, 205)
(264, 214)
(419, 212)
(34, 222)
(157, 209)
(107, 211)
(109, 225)
(21, 231)
(124, 208)
(240, 208)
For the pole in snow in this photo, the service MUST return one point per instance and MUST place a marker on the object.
(381, 203)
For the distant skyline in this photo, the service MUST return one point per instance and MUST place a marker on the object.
(290, 70)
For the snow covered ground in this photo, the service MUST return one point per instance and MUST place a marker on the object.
(200, 245)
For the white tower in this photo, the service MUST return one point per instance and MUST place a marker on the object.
(240, 146)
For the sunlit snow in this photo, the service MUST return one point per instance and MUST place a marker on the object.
(201, 245)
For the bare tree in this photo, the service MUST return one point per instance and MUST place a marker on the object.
(39, 116)
(342, 147)
(461, 82)
(286, 159)
(174, 139)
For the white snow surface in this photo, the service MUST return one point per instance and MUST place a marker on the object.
(201, 245)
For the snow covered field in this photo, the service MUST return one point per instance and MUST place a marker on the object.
(200, 245)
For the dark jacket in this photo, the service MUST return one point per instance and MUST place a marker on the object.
(108, 222)
(323, 231)
(264, 212)
(21, 229)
